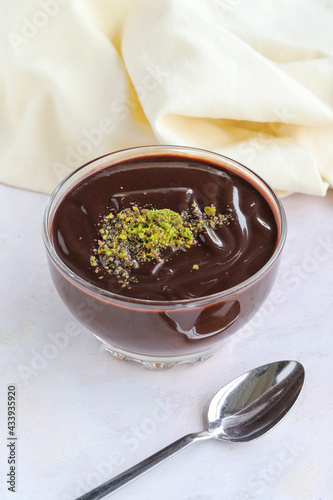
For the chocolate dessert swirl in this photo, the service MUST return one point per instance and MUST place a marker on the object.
(223, 257)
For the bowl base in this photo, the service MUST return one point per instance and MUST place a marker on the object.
(157, 362)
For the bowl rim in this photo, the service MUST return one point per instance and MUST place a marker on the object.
(162, 150)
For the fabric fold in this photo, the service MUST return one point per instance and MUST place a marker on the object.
(80, 79)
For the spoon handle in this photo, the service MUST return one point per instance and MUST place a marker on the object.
(137, 470)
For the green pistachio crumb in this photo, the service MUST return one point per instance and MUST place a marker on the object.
(93, 261)
(210, 211)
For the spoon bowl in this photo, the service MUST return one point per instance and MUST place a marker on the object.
(255, 402)
(242, 410)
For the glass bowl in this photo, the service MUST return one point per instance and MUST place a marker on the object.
(162, 333)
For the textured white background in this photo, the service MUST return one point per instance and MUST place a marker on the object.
(84, 416)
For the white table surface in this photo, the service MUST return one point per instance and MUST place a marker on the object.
(83, 416)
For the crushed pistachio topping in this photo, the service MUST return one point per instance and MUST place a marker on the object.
(136, 235)
(210, 211)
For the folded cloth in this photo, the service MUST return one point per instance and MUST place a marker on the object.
(252, 80)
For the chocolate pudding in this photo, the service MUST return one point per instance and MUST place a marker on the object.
(201, 286)
(222, 257)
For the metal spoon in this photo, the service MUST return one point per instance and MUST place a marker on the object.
(243, 410)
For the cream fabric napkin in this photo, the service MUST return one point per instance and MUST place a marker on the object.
(251, 79)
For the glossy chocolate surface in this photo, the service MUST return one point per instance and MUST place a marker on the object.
(226, 256)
